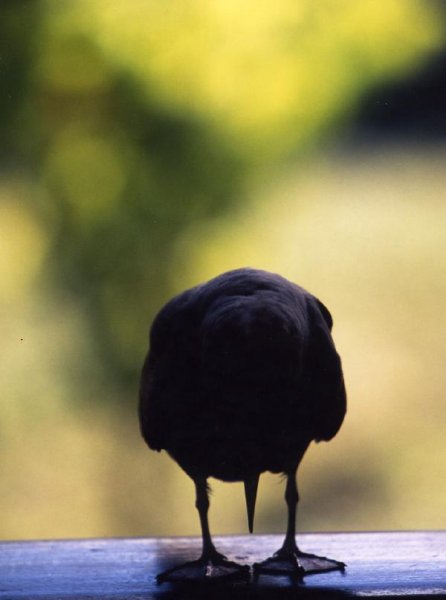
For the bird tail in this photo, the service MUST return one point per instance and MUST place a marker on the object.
(251, 485)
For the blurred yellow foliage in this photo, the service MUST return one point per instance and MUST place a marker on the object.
(89, 171)
(23, 243)
(266, 75)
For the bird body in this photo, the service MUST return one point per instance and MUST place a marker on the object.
(242, 374)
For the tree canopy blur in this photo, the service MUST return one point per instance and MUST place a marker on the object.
(125, 126)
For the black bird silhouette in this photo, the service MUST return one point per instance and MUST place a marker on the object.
(242, 374)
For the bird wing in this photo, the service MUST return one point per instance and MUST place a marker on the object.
(323, 377)
(165, 375)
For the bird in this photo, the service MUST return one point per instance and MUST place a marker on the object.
(241, 375)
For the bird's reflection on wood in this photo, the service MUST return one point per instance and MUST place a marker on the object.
(242, 374)
(202, 590)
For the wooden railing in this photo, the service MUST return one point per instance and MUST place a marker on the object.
(399, 564)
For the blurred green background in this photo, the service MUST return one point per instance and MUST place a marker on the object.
(146, 146)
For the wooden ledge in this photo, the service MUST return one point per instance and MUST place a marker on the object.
(396, 564)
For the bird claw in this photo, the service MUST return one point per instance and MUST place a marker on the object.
(205, 570)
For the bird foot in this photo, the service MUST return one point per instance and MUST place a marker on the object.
(205, 569)
(295, 563)
(281, 563)
(312, 563)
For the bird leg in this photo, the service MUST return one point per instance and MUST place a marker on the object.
(212, 565)
(289, 560)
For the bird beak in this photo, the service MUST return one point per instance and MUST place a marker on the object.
(250, 496)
